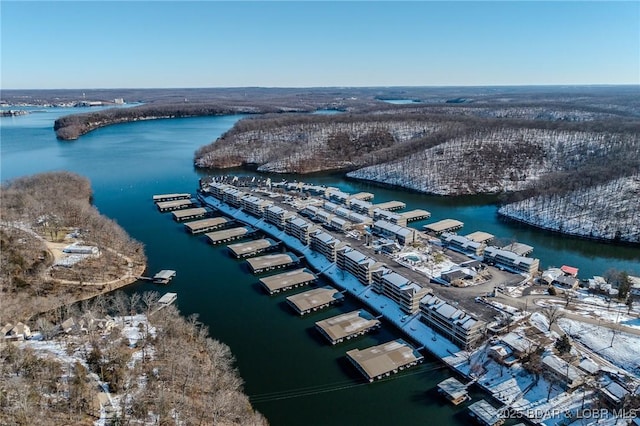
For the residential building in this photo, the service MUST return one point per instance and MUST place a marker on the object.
(277, 216)
(511, 261)
(358, 264)
(300, 229)
(461, 328)
(462, 244)
(404, 292)
(401, 234)
(254, 205)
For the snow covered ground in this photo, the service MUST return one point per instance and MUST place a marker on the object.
(621, 349)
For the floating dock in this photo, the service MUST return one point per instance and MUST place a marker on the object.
(272, 262)
(167, 299)
(445, 225)
(171, 197)
(314, 300)
(480, 237)
(453, 390)
(251, 248)
(169, 206)
(485, 414)
(519, 249)
(164, 276)
(226, 235)
(347, 326)
(389, 205)
(417, 214)
(206, 225)
(188, 214)
(288, 280)
(383, 360)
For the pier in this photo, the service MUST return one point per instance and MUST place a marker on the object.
(169, 206)
(271, 262)
(417, 214)
(164, 276)
(389, 205)
(167, 299)
(347, 326)
(519, 249)
(251, 248)
(383, 360)
(188, 214)
(445, 225)
(480, 237)
(171, 197)
(485, 414)
(453, 390)
(288, 280)
(226, 235)
(314, 300)
(206, 225)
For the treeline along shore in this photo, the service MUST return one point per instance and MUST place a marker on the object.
(521, 143)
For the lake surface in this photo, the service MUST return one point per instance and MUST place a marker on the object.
(295, 377)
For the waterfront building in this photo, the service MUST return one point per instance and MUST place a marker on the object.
(404, 292)
(233, 196)
(216, 189)
(358, 264)
(460, 327)
(511, 261)
(300, 229)
(277, 216)
(462, 244)
(401, 234)
(255, 206)
(325, 244)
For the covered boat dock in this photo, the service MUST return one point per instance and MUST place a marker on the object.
(347, 326)
(314, 300)
(383, 360)
(288, 280)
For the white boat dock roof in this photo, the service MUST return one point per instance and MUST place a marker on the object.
(480, 237)
(416, 214)
(212, 222)
(243, 249)
(225, 234)
(168, 299)
(276, 283)
(186, 213)
(314, 299)
(444, 225)
(453, 388)
(271, 261)
(390, 205)
(173, 204)
(519, 249)
(383, 359)
(485, 413)
(175, 196)
(344, 325)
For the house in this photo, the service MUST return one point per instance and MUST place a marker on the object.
(502, 354)
(520, 345)
(562, 371)
(511, 261)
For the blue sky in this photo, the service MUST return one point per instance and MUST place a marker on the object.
(121, 44)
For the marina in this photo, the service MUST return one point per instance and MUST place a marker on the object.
(453, 390)
(416, 214)
(271, 262)
(383, 360)
(251, 248)
(206, 225)
(187, 214)
(485, 414)
(314, 300)
(287, 281)
(168, 206)
(226, 235)
(347, 326)
(171, 197)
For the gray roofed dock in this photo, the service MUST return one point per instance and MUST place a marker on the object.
(288, 280)
(383, 360)
(187, 214)
(271, 262)
(164, 276)
(485, 414)
(480, 237)
(453, 390)
(226, 235)
(347, 326)
(171, 197)
(519, 249)
(167, 206)
(206, 225)
(314, 300)
(250, 248)
(417, 214)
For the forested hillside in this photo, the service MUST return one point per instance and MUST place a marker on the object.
(610, 211)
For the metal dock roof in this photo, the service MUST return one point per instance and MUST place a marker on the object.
(444, 225)
(346, 325)
(390, 205)
(250, 247)
(219, 236)
(480, 236)
(519, 249)
(416, 214)
(202, 224)
(174, 204)
(453, 389)
(485, 413)
(384, 359)
(168, 299)
(187, 213)
(272, 261)
(169, 197)
(276, 283)
(314, 299)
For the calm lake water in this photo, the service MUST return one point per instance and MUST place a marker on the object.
(295, 376)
